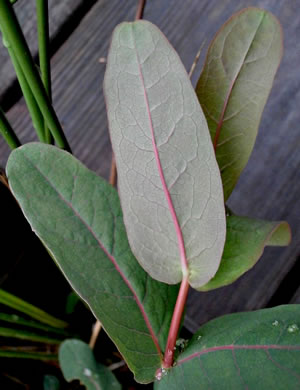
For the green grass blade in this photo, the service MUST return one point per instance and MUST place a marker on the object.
(44, 52)
(32, 311)
(7, 132)
(15, 319)
(17, 353)
(33, 108)
(14, 36)
(25, 335)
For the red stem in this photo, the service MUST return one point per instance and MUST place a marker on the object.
(140, 10)
(175, 323)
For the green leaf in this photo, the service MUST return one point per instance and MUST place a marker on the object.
(14, 302)
(77, 361)
(255, 351)
(246, 239)
(234, 86)
(77, 216)
(72, 301)
(168, 178)
(51, 383)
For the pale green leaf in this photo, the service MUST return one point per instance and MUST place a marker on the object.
(256, 351)
(168, 178)
(234, 86)
(77, 361)
(246, 239)
(77, 216)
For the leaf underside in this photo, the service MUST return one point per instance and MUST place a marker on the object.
(255, 351)
(78, 217)
(234, 86)
(168, 178)
(77, 361)
(246, 239)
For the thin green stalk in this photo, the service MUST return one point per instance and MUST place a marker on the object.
(7, 132)
(15, 319)
(33, 108)
(14, 35)
(25, 335)
(44, 52)
(32, 311)
(13, 1)
(19, 353)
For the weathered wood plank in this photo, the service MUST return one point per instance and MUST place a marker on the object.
(25, 10)
(296, 297)
(269, 186)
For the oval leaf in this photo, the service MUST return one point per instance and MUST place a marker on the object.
(78, 217)
(77, 361)
(168, 178)
(246, 239)
(255, 351)
(234, 86)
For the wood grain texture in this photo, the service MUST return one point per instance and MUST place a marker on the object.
(268, 188)
(60, 11)
(296, 297)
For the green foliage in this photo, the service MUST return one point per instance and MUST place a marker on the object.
(17, 320)
(234, 86)
(25, 353)
(172, 200)
(26, 335)
(72, 301)
(78, 217)
(19, 304)
(47, 330)
(245, 242)
(258, 350)
(14, 39)
(51, 383)
(77, 362)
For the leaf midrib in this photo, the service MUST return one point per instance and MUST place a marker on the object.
(238, 347)
(111, 258)
(181, 246)
(231, 87)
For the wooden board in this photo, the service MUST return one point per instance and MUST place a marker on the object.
(269, 186)
(296, 297)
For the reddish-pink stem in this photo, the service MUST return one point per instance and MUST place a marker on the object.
(221, 120)
(182, 295)
(140, 9)
(238, 347)
(175, 323)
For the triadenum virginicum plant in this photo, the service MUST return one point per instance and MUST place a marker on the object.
(179, 154)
